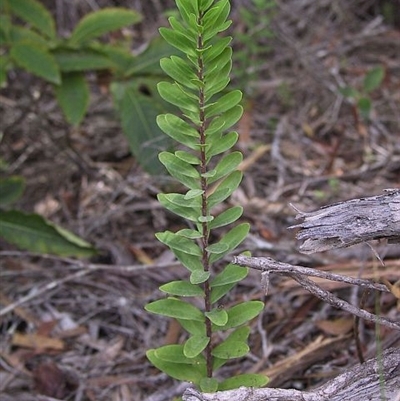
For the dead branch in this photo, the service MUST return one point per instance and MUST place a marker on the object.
(351, 222)
(362, 382)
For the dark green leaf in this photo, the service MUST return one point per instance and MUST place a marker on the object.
(37, 60)
(103, 21)
(73, 97)
(36, 14)
(182, 289)
(176, 308)
(11, 189)
(33, 233)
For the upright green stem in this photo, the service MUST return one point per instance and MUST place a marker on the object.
(204, 204)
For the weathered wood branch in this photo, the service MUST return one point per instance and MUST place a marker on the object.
(361, 383)
(347, 223)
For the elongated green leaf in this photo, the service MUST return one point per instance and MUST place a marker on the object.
(218, 316)
(226, 165)
(374, 79)
(174, 94)
(33, 233)
(181, 170)
(230, 350)
(232, 239)
(179, 41)
(222, 144)
(37, 60)
(11, 189)
(225, 188)
(182, 289)
(226, 217)
(82, 60)
(179, 130)
(176, 308)
(73, 97)
(190, 213)
(36, 14)
(242, 313)
(244, 380)
(225, 120)
(193, 327)
(195, 345)
(191, 372)
(179, 71)
(179, 243)
(103, 21)
(224, 103)
(231, 274)
(137, 111)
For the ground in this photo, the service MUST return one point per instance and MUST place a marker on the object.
(304, 144)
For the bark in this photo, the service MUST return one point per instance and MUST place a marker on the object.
(347, 223)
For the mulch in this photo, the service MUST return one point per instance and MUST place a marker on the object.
(77, 330)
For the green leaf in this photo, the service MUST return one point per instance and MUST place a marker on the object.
(11, 189)
(179, 130)
(193, 327)
(364, 105)
(349, 92)
(226, 217)
(374, 79)
(199, 276)
(37, 60)
(222, 144)
(191, 370)
(242, 313)
(195, 345)
(244, 380)
(232, 239)
(174, 94)
(217, 316)
(182, 171)
(225, 120)
(103, 21)
(182, 289)
(226, 165)
(36, 14)
(189, 213)
(73, 97)
(225, 188)
(176, 308)
(224, 103)
(179, 41)
(33, 233)
(208, 385)
(81, 60)
(137, 111)
(230, 350)
(179, 243)
(231, 274)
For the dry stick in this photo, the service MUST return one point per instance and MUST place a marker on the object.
(297, 273)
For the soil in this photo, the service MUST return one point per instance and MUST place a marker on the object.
(76, 329)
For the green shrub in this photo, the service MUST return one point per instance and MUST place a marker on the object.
(207, 169)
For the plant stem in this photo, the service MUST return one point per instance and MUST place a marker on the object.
(204, 204)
